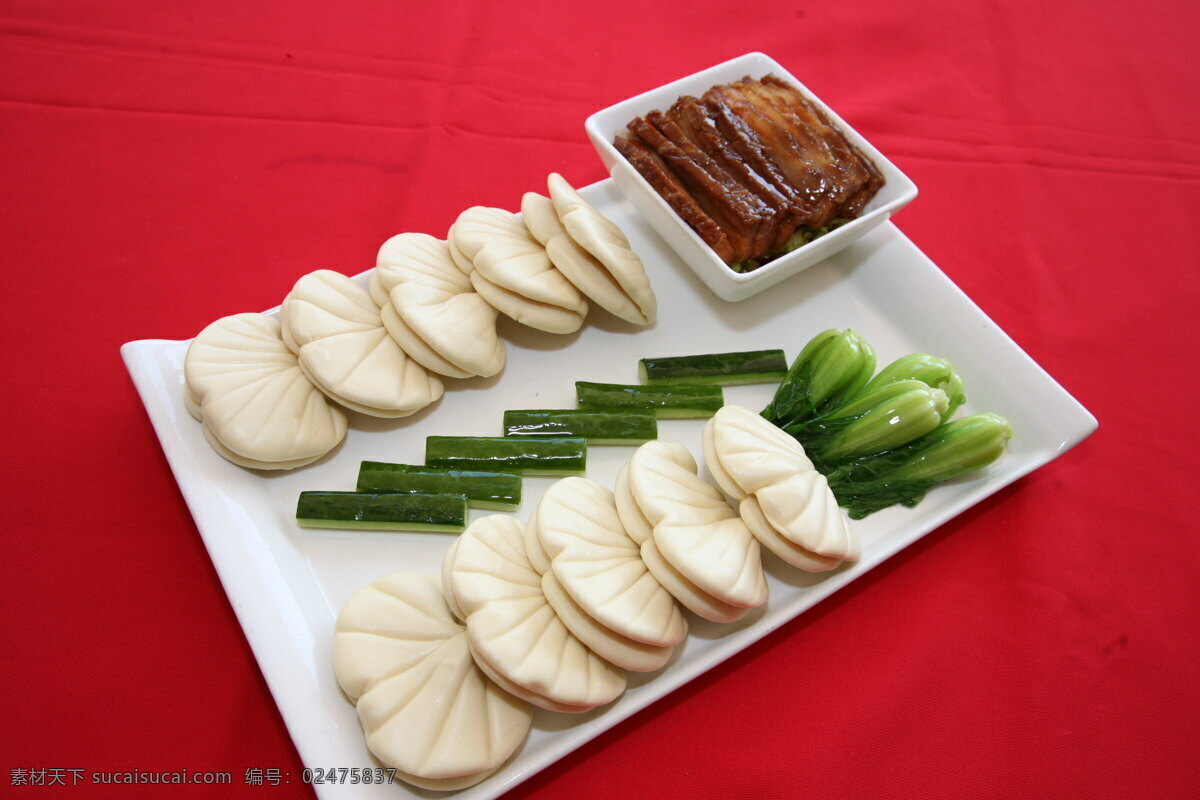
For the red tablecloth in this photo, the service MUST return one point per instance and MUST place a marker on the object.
(165, 164)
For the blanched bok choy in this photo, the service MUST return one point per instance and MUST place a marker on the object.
(905, 474)
(889, 417)
(885, 439)
(938, 373)
(831, 368)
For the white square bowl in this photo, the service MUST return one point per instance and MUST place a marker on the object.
(603, 126)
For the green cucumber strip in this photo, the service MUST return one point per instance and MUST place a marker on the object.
(497, 491)
(601, 426)
(392, 511)
(525, 456)
(753, 366)
(679, 401)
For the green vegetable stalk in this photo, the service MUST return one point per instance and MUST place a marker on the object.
(831, 368)
(891, 416)
(937, 372)
(905, 474)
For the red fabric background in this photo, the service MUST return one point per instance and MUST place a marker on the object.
(165, 164)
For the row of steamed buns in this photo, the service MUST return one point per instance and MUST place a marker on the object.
(444, 670)
(271, 391)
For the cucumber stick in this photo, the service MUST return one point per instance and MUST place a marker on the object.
(676, 401)
(601, 426)
(382, 511)
(522, 455)
(498, 491)
(755, 366)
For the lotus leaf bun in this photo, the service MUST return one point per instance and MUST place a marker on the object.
(612, 263)
(601, 640)
(416, 258)
(766, 533)
(542, 316)
(635, 522)
(695, 529)
(511, 270)
(691, 596)
(258, 408)
(514, 633)
(600, 567)
(784, 497)
(347, 352)
(415, 347)
(461, 328)
(424, 706)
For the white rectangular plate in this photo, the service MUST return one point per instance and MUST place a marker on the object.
(286, 584)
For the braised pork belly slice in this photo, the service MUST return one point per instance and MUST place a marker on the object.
(801, 169)
(700, 125)
(854, 206)
(656, 172)
(744, 137)
(702, 187)
(826, 144)
(857, 166)
(803, 141)
(739, 212)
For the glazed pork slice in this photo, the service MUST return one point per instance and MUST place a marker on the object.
(698, 122)
(802, 113)
(735, 210)
(737, 123)
(680, 166)
(854, 206)
(801, 154)
(814, 141)
(742, 213)
(853, 161)
(801, 168)
(663, 180)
